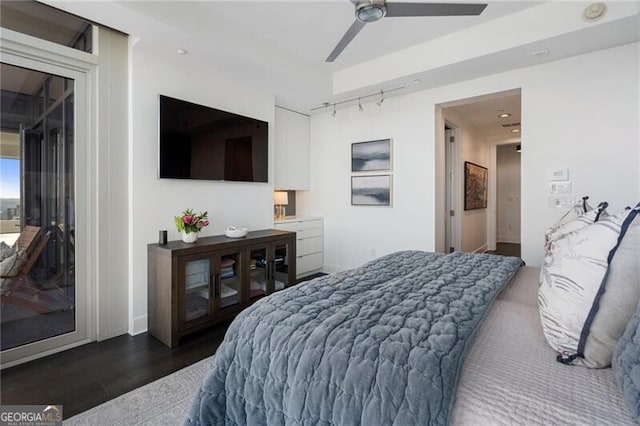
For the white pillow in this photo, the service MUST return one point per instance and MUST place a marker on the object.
(561, 229)
(10, 266)
(571, 277)
(5, 250)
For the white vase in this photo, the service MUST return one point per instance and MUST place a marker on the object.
(189, 237)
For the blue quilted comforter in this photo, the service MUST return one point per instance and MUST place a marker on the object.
(382, 344)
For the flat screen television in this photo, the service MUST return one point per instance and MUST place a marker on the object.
(199, 142)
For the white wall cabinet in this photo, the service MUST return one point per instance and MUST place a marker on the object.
(309, 242)
(291, 150)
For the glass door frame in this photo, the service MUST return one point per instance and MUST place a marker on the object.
(240, 270)
(29, 52)
(185, 324)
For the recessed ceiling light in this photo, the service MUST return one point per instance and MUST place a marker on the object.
(182, 51)
(502, 114)
(515, 130)
(594, 11)
(417, 81)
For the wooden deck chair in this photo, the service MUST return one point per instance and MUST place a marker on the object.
(27, 236)
(32, 241)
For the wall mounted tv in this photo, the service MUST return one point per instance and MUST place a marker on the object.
(198, 142)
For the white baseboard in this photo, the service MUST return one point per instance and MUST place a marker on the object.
(508, 239)
(138, 325)
(481, 249)
(330, 269)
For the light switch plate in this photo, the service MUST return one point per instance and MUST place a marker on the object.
(560, 201)
(560, 187)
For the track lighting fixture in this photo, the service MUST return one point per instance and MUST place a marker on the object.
(380, 93)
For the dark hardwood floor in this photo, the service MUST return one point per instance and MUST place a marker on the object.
(507, 249)
(89, 375)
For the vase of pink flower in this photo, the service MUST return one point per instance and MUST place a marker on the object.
(190, 223)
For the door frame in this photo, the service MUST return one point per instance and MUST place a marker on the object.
(40, 55)
(439, 171)
(452, 236)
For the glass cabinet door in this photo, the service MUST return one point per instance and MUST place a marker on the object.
(228, 280)
(281, 261)
(196, 300)
(258, 272)
(268, 269)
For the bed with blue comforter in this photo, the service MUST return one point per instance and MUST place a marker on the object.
(382, 344)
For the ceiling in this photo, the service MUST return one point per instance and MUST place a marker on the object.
(311, 29)
(483, 113)
(282, 45)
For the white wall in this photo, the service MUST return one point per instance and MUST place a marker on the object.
(355, 234)
(472, 148)
(156, 201)
(508, 194)
(579, 113)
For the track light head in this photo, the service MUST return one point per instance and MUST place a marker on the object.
(381, 98)
(360, 105)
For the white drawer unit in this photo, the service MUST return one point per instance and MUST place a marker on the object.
(309, 242)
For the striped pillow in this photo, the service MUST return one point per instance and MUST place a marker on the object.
(571, 278)
(617, 297)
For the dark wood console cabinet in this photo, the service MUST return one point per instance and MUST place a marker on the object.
(193, 286)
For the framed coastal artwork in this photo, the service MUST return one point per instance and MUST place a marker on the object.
(475, 186)
(371, 190)
(371, 156)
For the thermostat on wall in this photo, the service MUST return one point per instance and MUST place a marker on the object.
(560, 174)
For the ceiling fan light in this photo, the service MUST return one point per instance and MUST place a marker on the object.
(370, 12)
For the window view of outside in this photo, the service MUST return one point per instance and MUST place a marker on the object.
(37, 192)
(9, 200)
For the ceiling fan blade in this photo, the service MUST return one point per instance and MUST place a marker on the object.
(434, 9)
(345, 40)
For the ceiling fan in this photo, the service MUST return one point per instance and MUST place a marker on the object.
(373, 10)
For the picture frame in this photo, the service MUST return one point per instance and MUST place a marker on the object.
(371, 156)
(371, 190)
(476, 183)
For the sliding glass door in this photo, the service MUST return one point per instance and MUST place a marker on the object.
(43, 304)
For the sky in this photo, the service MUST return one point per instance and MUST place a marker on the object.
(9, 178)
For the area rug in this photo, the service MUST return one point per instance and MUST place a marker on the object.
(163, 402)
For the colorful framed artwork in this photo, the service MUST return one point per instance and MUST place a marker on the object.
(476, 183)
